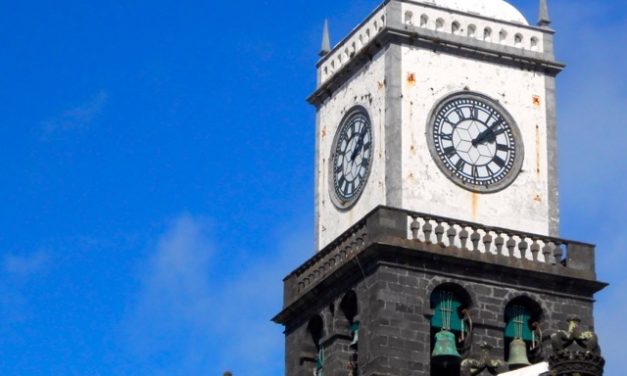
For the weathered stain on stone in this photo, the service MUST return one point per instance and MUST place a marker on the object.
(536, 101)
(411, 79)
(538, 148)
(474, 198)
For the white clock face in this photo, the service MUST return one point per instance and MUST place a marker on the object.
(475, 142)
(351, 158)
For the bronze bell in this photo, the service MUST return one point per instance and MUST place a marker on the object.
(518, 354)
(445, 353)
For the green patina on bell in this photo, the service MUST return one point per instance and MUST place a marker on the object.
(445, 350)
(518, 354)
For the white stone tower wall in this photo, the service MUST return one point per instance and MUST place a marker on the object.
(429, 76)
(365, 88)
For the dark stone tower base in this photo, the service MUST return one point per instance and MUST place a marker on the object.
(363, 305)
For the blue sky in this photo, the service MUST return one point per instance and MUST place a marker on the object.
(157, 176)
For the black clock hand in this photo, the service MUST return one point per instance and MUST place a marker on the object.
(487, 135)
(360, 144)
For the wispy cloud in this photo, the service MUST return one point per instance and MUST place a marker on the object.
(191, 316)
(25, 265)
(175, 298)
(76, 118)
(16, 271)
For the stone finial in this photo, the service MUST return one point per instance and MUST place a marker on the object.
(473, 367)
(544, 20)
(575, 351)
(326, 40)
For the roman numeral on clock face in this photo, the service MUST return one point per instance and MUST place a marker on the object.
(459, 165)
(502, 147)
(460, 113)
(450, 151)
(500, 162)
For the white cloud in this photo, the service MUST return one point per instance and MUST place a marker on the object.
(15, 273)
(25, 265)
(253, 299)
(191, 317)
(79, 117)
(175, 298)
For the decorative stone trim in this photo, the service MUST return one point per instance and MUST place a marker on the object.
(336, 255)
(584, 363)
(437, 23)
(434, 234)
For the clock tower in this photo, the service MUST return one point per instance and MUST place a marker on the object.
(437, 208)
(459, 103)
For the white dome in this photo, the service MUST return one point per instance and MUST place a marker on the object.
(498, 9)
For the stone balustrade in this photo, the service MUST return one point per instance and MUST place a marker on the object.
(427, 233)
(483, 239)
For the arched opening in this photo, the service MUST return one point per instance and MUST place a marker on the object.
(455, 27)
(350, 309)
(502, 35)
(487, 34)
(315, 327)
(450, 327)
(439, 24)
(522, 336)
(424, 20)
(472, 30)
(409, 17)
(534, 43)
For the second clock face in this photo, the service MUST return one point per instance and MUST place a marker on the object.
(475, 142)
(351, 158)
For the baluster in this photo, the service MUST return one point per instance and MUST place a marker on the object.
(511, 243)
(450, 233)
(522, 247)
(439, 231)
(463, 237)
(427, 229)
(535, 250)
(487, 242)
(499, 242)
(558, 253)
(415, 228)
(475, 238)
(547, 251)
